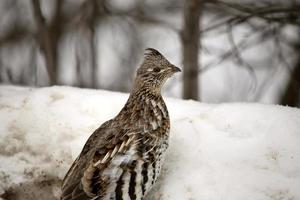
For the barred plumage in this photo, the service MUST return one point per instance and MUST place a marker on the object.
(122, 159)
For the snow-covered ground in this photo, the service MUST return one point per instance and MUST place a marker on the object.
(217, 151)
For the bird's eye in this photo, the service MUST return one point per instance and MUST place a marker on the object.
(156, 69)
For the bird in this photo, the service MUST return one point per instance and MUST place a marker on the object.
(122, 159)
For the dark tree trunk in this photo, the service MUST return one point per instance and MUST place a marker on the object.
(94, 66)
(49, 37)
(291, 95)
(92, 22)
(87, 21)
(190, 48)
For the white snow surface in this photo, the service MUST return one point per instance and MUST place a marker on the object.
(217, 151)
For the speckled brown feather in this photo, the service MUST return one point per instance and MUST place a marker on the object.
(121, 160)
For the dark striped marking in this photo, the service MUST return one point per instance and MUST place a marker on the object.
(95, 183)
(154, 172)
(145, 176)
(118, 190)
(132, 182)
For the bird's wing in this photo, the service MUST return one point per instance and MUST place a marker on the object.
(97, 166)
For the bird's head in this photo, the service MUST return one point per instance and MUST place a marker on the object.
(154, 71)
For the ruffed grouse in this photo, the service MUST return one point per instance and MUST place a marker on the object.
(122, 159)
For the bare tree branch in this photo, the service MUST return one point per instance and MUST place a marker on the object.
(239, 59)
(277, 13)
(240, 46)
(15, 34)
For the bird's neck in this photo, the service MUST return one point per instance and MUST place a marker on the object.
(144, 107)
(142, 86)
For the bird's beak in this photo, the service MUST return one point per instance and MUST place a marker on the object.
(175, 69)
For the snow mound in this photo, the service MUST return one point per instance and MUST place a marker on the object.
(217, 152)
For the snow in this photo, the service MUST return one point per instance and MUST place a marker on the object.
(217, 151)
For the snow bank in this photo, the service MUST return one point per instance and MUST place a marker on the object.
(217, 152)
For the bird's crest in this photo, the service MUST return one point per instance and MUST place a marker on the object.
(151, 53)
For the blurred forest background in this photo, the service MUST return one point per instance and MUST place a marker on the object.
(244, 50)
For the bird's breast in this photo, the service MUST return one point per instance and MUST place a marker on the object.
(133, 174)
(154, 117)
